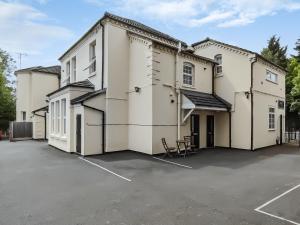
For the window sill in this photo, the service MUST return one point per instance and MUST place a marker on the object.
(272, 81)
(219, 75)
(58, 137)
(188, 86)
(272, 129)
(92, 74)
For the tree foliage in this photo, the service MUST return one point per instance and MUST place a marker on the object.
(297, 49)
(7, 96)
(275, 52)
(294, 73)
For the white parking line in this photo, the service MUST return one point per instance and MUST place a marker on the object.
(107, 170)
(167, 161)
(258, 209)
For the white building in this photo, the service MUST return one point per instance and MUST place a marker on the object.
(125, 86)
(32, 86)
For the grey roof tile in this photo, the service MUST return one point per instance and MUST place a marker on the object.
(205, 99)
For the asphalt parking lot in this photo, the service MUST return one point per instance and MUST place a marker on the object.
(40, 185)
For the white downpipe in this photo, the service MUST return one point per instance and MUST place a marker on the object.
(177, 86)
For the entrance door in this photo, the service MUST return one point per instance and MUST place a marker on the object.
(210, 131)
(78, 133)
(195, 131)
(280, 141)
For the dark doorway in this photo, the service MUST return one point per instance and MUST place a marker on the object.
(78, 133)
(210, 131)
(195, 131)
(280, 118)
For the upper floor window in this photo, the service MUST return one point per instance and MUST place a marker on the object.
(92, 57)
(273, 77)
(218, 59)
(271, 118)
(188, 74)
(68, 68)
(74, 69)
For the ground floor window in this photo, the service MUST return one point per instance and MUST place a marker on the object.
(57, 107)
(271, 118)
(63, 114)
(52, 117)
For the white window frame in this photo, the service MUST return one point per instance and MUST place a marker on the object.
(188, 71)
(73, 68)
(271, 118)
(52, 116)
(272, 77)
(57, 107)
(219, 67)
(68, 69)
(63, 115)
(92, 66)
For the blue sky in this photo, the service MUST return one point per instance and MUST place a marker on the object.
(44, 29)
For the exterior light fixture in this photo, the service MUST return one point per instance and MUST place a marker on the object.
(137, 89)
(247, 93)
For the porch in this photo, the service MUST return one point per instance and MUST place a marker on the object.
(206, 118)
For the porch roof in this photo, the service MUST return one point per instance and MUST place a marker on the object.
(87, 96)
(81, 84)
(200, 100)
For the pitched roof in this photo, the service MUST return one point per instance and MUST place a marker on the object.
(201, 99)
(87, 96)
(129, 22)
(80, 84)
(50, 69)
(238, 48)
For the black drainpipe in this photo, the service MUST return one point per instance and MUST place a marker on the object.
(251, 94)
(103, 124)
(213, 79)
(229, 114)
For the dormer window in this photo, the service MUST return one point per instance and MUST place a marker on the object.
(218, 59)
(188, 74)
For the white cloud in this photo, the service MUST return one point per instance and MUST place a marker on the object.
(222, 13)
(26, 29)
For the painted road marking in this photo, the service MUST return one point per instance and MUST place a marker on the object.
(258, 209)
(107, 170)
(174, 163)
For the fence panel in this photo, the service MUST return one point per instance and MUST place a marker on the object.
(21, 130)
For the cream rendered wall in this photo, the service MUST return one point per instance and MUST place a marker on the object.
(82, 53)
(23, 96)
(164, 110)
(140, 104)
(116, 75)
(32, 88)
(231, 86)
(92, 132)
(38, 127)
(267, 94)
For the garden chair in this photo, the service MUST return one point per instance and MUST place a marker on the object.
(169, 150)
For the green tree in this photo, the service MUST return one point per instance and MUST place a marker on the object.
(295, 81)
(297, 49)
(7, 93)
(275, 52)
